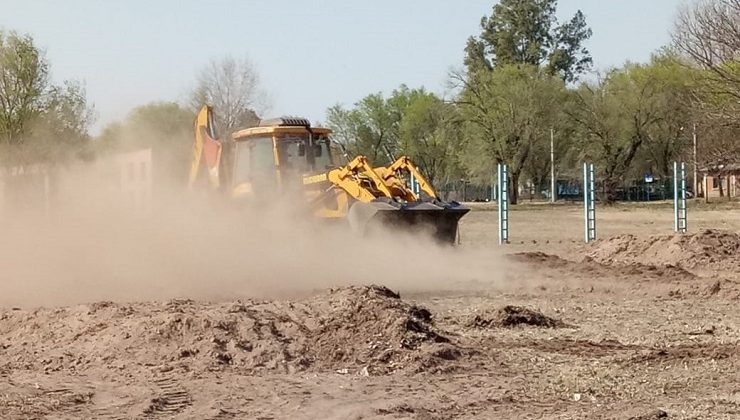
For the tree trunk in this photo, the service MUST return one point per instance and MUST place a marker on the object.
(609, 195)
(719, 182)
(513, 188)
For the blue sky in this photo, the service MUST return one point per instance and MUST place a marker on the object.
(310, 54)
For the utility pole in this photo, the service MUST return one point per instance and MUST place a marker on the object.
(552, 166)
(696, 164)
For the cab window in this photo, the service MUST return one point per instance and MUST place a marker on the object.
(293, 153)
(255, 161)
(322, 154)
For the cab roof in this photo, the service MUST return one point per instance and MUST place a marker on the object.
(288, 125)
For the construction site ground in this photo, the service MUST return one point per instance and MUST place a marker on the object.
(641, 324)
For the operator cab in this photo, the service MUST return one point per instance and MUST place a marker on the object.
(278, 153)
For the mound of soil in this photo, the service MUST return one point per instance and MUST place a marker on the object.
(513, 316)
(374, 328)
(711, 248)
(720, 288)
(591, 267)
(542, 259)
(368, 329)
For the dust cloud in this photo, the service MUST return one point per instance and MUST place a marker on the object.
(91, 246)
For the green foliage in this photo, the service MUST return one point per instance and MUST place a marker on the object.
(165, 127)
(669, 138)
(640, 108)
(158, 125)
(527, 32)
(411, 122)
(429, 134)
(38, 120)
(517, 87)
(370, 128)
(513, 92)
(24, 82)
(60, 132)
(508, 114)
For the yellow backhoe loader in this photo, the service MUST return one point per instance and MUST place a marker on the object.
(289, 156)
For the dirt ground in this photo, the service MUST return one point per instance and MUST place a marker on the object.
(641, 324)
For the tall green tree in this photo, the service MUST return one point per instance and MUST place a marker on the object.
(509, 93)
(38, 119)
(430, 134)
(669, 137)
(164, 127)
(371, 128)
(638, 111)
(527, 32)
(61, 131)
(508, 113)
(412, 122)
(24, 81)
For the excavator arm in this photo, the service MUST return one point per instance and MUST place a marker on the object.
(206, 149)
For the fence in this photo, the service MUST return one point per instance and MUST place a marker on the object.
(569, 189)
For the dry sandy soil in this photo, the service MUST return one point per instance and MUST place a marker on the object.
(641, 324)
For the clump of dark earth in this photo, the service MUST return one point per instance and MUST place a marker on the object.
(514, 316)
(652, 415)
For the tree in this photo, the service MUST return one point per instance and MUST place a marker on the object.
(370, 129)
(38, 120)
(159, 125)
(632, 110)
(527, 32)
(707, 32)
(25, 78)
(429, 133)
(165, 127)
(61, 131)
(411, 122)
(509, 94)
(669, 136)
(508, 114)
(232, 87)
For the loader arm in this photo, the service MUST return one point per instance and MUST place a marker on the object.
(207, 149)
(346, 178)
(404, 163)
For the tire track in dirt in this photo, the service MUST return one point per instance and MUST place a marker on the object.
(584, 348)
(686, 351)
(66, 399)
(171, 399)
(626, 354)
(108, 413)
(597, 268)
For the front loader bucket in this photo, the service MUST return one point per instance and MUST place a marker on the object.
(440, 219)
